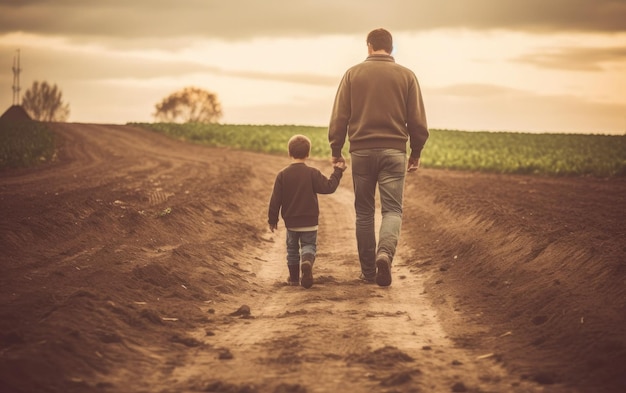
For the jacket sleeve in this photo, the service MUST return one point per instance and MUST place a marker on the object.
(323, 185)
(275, 201)
(340, 116)
(416, 123)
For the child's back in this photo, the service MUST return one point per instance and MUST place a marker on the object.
(295, 197)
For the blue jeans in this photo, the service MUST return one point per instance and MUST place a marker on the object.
(300, 243)
(387, 169)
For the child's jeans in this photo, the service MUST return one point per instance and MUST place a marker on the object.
(300, 243)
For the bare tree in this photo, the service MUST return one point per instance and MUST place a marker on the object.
(189, 105)
(44, 102)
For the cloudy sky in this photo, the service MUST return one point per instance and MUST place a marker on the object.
(498, 65)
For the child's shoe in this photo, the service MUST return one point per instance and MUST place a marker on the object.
(294, 275)
(307, 270)
(307, 274)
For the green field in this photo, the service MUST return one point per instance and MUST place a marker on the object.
(498, 152)
(25, 143)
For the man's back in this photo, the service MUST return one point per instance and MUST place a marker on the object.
(379, 105)
(295, 193)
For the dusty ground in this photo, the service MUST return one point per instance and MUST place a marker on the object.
(126, 263)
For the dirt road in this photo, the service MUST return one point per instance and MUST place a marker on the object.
(135, 263)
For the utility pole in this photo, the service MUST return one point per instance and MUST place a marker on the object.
(16, 79)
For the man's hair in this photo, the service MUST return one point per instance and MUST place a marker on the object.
(380, 39)
(299, 146)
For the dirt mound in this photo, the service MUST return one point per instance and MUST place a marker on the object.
(541, 273)
(15, 113)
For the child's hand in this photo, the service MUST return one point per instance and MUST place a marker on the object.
(273, 227)
(341, 165)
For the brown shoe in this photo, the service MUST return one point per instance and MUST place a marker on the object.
(383, 270)
(366, 280)
(307, 274)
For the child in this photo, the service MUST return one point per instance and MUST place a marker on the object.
(295, 196)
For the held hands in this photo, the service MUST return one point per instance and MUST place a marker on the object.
(414, 163)
(340, 165)
(339, 162)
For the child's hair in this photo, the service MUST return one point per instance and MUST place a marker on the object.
(299, 146)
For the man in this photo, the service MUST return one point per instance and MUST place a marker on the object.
(379, 108)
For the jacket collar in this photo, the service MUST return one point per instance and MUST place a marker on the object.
(380, 58)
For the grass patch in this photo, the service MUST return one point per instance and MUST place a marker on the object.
(526, 153)
(269, 139)
(25, 143)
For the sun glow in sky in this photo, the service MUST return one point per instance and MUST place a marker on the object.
(522, 66)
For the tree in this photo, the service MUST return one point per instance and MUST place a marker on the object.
(44, 102)
(189, 105)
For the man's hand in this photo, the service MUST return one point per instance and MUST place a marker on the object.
(336, 160)
(414, 163)
(273, 227)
